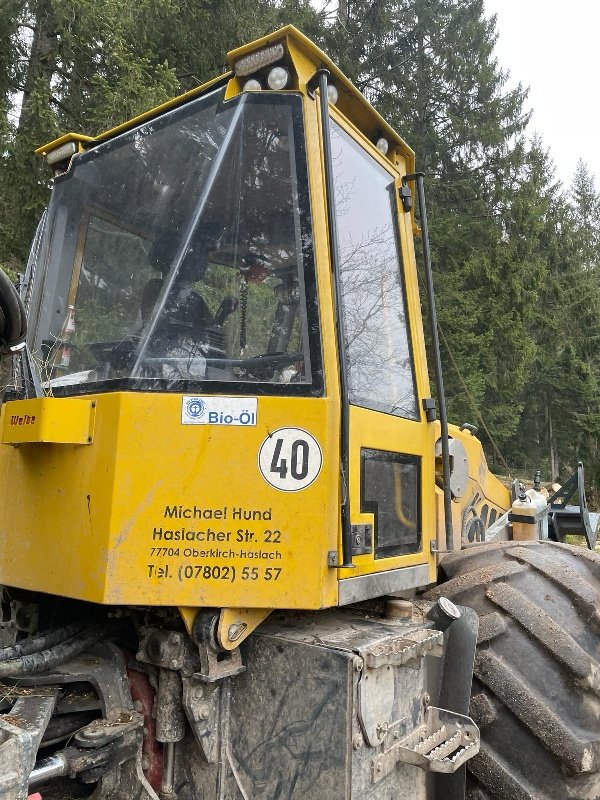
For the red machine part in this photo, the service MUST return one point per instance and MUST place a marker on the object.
(142, 694)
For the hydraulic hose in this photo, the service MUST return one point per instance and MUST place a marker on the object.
(48, 659)
(41, 641)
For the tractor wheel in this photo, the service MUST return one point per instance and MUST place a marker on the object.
(536, 682)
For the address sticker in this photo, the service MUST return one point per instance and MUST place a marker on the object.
(290, 459)
(218, 410)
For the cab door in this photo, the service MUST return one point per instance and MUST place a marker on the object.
(391, 443)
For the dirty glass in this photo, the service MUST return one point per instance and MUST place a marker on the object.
(390, 491)
(380, 370)
(181, 253)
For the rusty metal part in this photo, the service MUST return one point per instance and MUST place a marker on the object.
(163, 648)
(215, 662)
(21, 732)
(143, 696)
(170, 717)
(109, 751)
(201, 704)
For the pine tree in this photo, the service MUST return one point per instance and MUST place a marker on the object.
(86, 65)
(515, 256)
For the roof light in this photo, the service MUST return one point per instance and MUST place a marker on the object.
(278, 78)
(252, 85)
(61, 153)
(332, 94)
(382, 145)
(259, 59)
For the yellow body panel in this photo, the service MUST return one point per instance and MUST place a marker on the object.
(43, 420)
(484, 491)
(372, 429)
(159, 513)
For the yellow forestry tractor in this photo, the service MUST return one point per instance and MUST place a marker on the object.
(240, 556)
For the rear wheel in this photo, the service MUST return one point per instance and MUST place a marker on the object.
(536, 682)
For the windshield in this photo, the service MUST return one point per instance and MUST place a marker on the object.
(181, 252)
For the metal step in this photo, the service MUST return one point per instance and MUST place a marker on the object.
(406, 650)
(442, 743)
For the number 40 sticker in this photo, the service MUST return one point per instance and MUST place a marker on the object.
(290, 459)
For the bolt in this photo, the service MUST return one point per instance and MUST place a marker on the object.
(173, 663)
(140, 655)
(197, 693)
(358, 540)
(145, 763)
(426, 699)
(236, 630)
(357, 741)
(358, 664)
(204, 711)
(378, 768)
(381, 729)
(92, 733)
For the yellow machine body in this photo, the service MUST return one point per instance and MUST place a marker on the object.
(154, 512)
(109, 498)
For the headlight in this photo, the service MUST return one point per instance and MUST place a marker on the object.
(278, 78)
(252, 85)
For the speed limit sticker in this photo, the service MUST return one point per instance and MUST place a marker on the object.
(290, 459)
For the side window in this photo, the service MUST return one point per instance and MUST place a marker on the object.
(380, 369)
(390, 491)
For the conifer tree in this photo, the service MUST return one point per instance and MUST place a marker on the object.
(515, 255)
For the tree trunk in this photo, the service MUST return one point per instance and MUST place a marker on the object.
(41, 64)
(343, 12)
(554, 465)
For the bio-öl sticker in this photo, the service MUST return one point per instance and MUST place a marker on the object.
(213, 410)
(290, 459)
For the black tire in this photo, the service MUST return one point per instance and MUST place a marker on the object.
(14, 323)
(536, 682)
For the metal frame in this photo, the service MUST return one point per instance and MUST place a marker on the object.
(377, 584)
(418, 178)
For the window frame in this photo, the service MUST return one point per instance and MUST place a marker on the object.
(368, 148)
(392, 457)
(300, 160)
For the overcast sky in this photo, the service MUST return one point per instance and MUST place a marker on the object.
(555, 50)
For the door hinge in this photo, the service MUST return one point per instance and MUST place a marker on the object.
(405, 197)
(430, 409)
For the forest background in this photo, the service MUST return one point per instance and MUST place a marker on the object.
(516, 254)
